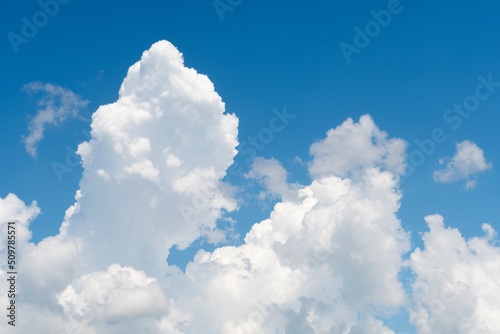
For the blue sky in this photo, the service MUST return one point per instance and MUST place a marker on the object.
(263, 56)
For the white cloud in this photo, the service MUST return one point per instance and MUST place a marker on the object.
(117, 295)
(140, 146)
(14, 209)
(55, 107)
(272, 175)
(327, 259)
(171, 159)
(127, 219)
(467, 162)
(351, 147)
(317, 264)
(456, 288)
(145, 168)
(153, 168)
(163, 106)
(102, 173)
(39, 280)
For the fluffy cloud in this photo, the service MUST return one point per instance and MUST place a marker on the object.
(457, 287)
(45, 267)
(351, 147)
(56, 106)
(12, 209)
(467, 162)
(327, 260)
(271, 174)
(117, 297)
(153, 168)
(152, 180)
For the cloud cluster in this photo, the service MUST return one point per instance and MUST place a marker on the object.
(327, 260)
(457, 286)
(151, 181)
(467, 162)
(56, 105)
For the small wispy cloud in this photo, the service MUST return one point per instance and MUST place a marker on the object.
(467, 162)
(56, 106)
(271, 174)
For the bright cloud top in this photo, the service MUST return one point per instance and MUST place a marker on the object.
(56, 105)
(466, 164)
(157, 156)
(328, 259)
(352, 147)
